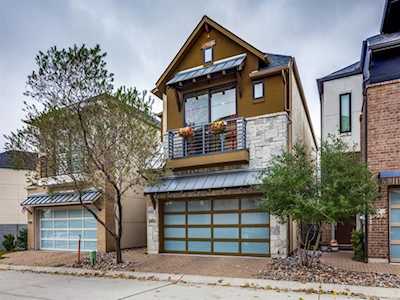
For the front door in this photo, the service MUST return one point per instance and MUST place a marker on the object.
(344, 231)
(394, 198)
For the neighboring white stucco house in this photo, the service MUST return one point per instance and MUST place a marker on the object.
(13, 182)
(342, 90)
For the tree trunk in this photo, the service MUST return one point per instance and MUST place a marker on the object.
(118, 252)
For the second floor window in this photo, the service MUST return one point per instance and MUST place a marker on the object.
(345, 112)
(209, 106)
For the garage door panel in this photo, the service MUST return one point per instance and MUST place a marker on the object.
(217, 226)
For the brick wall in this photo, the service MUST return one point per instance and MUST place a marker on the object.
(383, 153)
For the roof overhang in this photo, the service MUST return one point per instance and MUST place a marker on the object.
(206, 181)
(61, 198)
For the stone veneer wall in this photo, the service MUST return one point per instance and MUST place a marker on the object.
(266, 136)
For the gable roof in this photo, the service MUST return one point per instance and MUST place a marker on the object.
(18, 160)
(350, 70)
(206, 21)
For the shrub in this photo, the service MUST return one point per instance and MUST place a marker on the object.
(9, 242)
(22, 239)
(357, 241)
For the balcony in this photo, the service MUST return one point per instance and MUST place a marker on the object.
(205, 146)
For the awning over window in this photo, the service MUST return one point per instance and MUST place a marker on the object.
(216, 180)
(67, 198)
(217, 66)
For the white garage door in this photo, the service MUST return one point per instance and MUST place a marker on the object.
(60, 229)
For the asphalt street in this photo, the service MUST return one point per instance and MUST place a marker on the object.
(26, 285)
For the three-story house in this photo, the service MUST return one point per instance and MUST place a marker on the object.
(228, 108)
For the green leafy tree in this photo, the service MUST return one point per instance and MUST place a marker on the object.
(89, 133)
(292, 187)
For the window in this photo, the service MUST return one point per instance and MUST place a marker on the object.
(207, 55)
(223, 104)
(258, 90)
(210, 106)
(345, 113)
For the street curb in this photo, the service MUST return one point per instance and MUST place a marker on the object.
(278, 285)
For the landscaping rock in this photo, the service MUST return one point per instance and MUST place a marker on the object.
(288, 269)
(105, 262)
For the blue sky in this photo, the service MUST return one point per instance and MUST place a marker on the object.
(322, 35)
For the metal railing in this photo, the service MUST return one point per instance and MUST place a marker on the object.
(205, 140)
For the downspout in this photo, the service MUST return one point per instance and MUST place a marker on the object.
(366, 221)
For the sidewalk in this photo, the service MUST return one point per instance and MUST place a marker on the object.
(386, 293)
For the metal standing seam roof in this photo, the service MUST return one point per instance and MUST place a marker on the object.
(216, 180)
(61, 198)
(217, 66)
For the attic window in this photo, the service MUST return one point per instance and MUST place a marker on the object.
(207, 55)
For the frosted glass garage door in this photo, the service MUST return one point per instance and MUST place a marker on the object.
(395, 226)
(217, 226)
(60, 229)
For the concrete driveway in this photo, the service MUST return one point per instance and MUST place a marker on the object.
(26, 285)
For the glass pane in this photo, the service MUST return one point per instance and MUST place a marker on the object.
(251, 203)
(75, 213)
(174, 219)
(73, 245)
(255, 233)
(199, 233)
(90, 246)
(60, 213)
(395, 251)
(60, 223)
(199, 246)
(223, 104)
(174, 206)
(75, 234)
(87, 213)
(174, 245)
(229, 247)
(208, 55)
(395, 233)
(395, 215)
(47, 244)
(47, 234)
(257, 248)
(196, 110)
(258, 90)
(229, 204)
(90, 223)
(61, 234)
(174, 232)
(75, 223)
(61, 245)
(46, 224)
(226, 218)
(345, 112)
(199, 205)
(89, 234)
(45, 213)
(395, 197)
(255, 218)
(199, 219)
(226, 233)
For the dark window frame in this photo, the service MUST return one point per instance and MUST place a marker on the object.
(209, 91)
(340, 112)
(254, 83)
(204, 55)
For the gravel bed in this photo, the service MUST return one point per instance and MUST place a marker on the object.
(287, 269)
(105, 262)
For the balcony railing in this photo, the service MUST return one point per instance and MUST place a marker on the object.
(204, 140)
